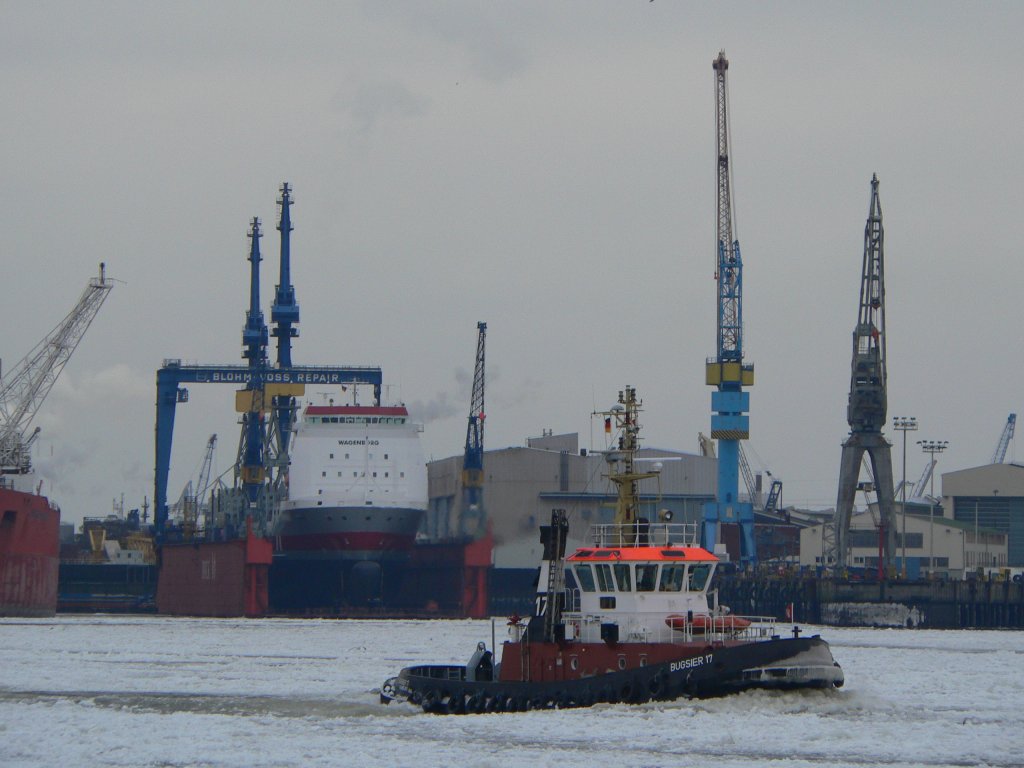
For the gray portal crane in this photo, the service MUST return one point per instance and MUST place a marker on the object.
(866, 412)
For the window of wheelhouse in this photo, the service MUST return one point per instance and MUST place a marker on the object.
(646, 577)
(671, 577)
(585, 577)
(604, 578)
(699, 577)
(622, 577)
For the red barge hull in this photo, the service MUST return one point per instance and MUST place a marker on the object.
(29, 554)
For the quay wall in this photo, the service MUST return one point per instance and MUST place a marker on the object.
(988, 604)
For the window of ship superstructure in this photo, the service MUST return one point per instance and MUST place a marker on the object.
(585, 577)
(671, 577)
(604, 578)
(699, 577)
(646, 577)
(622, 577)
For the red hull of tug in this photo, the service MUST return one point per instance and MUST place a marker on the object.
(542, 662)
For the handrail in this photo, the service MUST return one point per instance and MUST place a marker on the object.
(644, 534)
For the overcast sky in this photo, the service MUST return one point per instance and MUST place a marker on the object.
(548, 168)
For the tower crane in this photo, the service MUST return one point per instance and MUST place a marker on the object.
(24, 388)
(190, 503)
(866, 410)
(472, 517)
(249, 469)
(727, 371)
(203, 482)
(1004, 439)
(285, 315)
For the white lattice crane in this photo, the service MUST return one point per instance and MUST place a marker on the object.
(23, 388)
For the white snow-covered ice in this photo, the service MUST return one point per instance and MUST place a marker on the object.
(156, 691)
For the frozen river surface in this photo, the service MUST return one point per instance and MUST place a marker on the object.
(154, 691)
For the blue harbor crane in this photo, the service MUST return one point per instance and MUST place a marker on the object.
(254, 349)
(727, 372)
(866, 410)
(285, 315)
(267, 398)
(472, 518)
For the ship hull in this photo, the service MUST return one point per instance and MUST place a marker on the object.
(29, 554)
(694, 672)
(348, 533)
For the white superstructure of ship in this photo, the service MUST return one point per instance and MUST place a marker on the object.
(357, 484)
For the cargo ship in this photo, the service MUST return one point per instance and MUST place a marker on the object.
(357, 492)
(357, 484)
(29, 550)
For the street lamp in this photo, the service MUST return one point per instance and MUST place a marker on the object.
(904, 424)
(931, 447)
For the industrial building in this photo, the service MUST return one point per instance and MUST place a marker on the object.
(989, 497)
(936, 546)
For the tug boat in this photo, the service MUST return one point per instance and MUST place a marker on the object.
(639, 622)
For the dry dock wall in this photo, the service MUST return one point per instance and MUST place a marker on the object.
(222, 579)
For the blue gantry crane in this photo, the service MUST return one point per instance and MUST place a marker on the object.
(727, 371)
(266, 399)
(472, 518)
